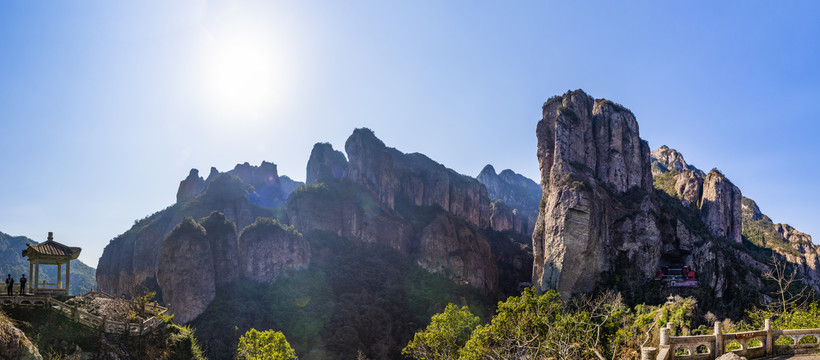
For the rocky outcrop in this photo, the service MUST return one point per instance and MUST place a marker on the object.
(590, 153)
(221, 235)
(791, 245)
(14, 345)
(676, 177)
(720, 206)
(394, 176)
(717, 199)
(325, 164)
(516, 198)
(665, 159)
(190, 187)
(185, 271)
(267, 250)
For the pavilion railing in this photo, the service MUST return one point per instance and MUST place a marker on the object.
(110, 326)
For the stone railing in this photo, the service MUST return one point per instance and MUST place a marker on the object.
(750, 344)
(106, 325)
(25, 301)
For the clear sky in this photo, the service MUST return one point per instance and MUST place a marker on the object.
(106, 105)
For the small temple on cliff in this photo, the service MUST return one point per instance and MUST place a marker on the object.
(49, 252)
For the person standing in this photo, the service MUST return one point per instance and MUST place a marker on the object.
(10, 285)
(22, 284)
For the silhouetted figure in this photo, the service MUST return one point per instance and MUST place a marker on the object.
(23, 284)
(10, 285)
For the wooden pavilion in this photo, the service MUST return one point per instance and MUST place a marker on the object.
(49, 253)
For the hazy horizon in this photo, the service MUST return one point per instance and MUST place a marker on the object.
(105, 107)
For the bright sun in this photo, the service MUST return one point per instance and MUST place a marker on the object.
(242, 73)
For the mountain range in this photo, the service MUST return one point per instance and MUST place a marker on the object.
(360, 256)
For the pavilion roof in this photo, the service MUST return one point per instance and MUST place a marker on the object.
(52, 248)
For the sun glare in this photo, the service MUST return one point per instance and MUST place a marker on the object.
(243, 73)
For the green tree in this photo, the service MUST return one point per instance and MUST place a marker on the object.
(446, 334)
(536, 326)
(264, 345)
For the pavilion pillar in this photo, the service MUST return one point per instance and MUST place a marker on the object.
(59, 276)
(36, 275)
(67, 276)
(30, 271)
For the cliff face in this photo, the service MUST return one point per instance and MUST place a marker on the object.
(185, 271)
(266, 250)
(407, 202)
(590, 153)
(348, 212)
(449, 247)
(720, 206)
(516, 198)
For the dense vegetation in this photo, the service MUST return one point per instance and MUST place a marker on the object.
(545, 327)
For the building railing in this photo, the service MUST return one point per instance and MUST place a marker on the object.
(749, 344)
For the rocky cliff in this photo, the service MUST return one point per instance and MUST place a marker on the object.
(720, 206)
(590, 154)
(726, 213)
(515, 200)
(407, 202)
(603, 223)
(787, 242)
(391, 175)
(198, 258)
(242, 195)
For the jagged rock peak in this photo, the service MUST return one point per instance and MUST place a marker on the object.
(668, 159)
(264, 174)
(597, 137)
(392, 176)
(214, 172)
(325, 164)
(191, 186)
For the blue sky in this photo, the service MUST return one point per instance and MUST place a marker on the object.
(105, 106)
